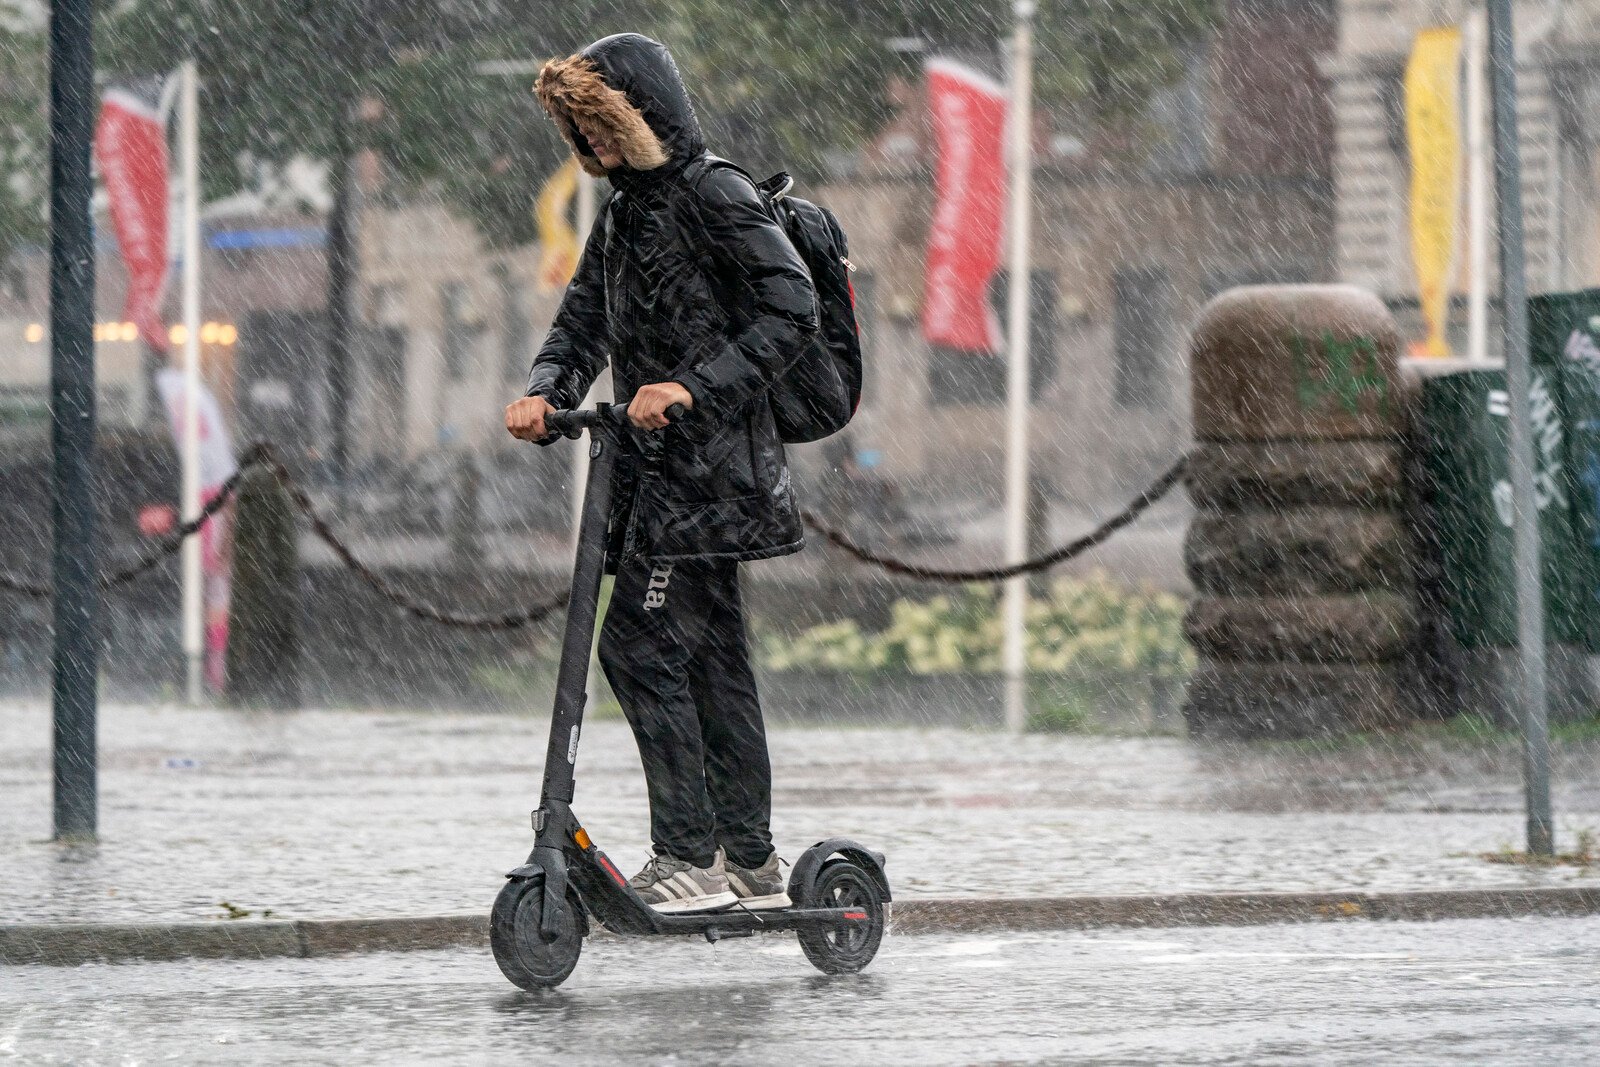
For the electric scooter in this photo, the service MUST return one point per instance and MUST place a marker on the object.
(839, 891)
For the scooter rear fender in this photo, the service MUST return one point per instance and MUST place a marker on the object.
(806, 867)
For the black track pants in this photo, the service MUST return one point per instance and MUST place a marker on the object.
(675, 652)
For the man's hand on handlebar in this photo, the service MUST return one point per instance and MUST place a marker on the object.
(648, 409)
(525, 418)
(653, 408)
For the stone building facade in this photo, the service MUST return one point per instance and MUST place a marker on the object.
(456, 327)
(1559, 117)
(1127, 248)
(1126, 265)
(446, 328)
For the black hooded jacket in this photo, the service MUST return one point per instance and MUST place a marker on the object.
(686, 281)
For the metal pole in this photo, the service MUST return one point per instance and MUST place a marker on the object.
(193, 580)
(340, 281)
(1477, 193)
(75, 657)
(1020, 143)
(1514, 317)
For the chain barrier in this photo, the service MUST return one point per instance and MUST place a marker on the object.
(170, 543)
(1156, 490)
(417, 608)
(261, 455)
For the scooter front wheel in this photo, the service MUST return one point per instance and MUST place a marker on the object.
(844, 949)
(519, 946)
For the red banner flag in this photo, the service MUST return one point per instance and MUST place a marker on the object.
(969, 121)
(217, 465)
(130, 144)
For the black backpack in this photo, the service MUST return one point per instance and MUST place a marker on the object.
(819, 393)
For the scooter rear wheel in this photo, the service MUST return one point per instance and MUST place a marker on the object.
(523, 954)
(848, 948)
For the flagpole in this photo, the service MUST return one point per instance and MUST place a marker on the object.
(1477, 192)
(1019, 290)
(193, 590)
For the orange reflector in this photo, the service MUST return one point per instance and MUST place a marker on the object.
(581, 836)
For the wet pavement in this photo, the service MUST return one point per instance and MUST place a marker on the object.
(211, 814)
(1469, 991)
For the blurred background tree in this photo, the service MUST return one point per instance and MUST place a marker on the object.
(749, 64)
(24, 153)
(790, 84)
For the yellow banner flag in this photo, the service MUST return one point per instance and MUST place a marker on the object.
(558, 241)
(1433, 130)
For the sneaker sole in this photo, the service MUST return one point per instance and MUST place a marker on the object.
(710, 902)
(766, 903)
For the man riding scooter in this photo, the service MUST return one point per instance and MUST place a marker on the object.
(695, 297)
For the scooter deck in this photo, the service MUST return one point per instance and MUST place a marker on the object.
(607, 897)
(738, 922)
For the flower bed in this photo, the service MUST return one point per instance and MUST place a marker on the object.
(1097, 653)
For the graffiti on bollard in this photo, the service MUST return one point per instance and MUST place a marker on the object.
(1348, 371)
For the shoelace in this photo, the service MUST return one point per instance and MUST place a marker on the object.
(656, 869)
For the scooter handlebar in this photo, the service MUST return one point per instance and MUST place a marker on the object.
(572, 423)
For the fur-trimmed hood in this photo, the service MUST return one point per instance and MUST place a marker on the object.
(629, 83)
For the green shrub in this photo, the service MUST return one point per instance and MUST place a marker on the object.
(1090, 627)
(1059, 711)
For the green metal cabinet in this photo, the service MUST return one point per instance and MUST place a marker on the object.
(1466, 427)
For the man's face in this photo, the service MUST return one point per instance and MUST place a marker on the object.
(602, 142)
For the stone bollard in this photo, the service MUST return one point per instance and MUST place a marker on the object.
(263, 655)
(1299, 552)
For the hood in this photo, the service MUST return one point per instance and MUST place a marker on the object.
(630, 84)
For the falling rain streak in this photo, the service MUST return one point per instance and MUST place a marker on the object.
(1146, 452)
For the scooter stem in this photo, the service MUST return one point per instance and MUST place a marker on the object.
(583, 605)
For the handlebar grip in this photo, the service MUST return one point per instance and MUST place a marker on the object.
(571, 424)
(563, 424)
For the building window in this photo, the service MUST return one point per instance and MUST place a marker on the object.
(980, 377)
(1180, 116)
(452, 297)
(1141, 324)
(1392, 99)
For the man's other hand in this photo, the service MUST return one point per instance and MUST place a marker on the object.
(525, 418)
(649, 407)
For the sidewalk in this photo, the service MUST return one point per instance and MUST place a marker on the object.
(320, 814)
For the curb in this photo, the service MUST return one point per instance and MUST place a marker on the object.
(67, 944)
(1235, 909)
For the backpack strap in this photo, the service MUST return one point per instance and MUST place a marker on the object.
(776, 187)
(705, 163)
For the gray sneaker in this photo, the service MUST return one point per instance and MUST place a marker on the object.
(668, 884)
(760, 888)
